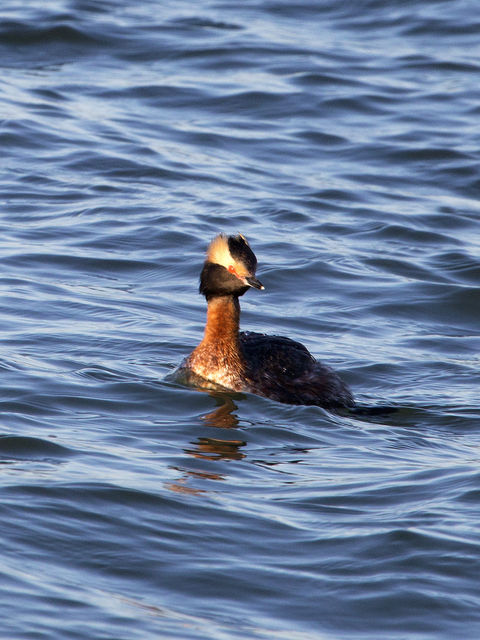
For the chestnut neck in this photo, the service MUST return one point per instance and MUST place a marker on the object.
(223, 321)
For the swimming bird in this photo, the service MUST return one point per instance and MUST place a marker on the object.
(267, 365)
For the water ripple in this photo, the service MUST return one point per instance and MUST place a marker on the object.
(340, 139)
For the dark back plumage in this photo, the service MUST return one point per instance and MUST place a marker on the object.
(284, 370)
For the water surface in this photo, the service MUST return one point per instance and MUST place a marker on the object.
(343, 142)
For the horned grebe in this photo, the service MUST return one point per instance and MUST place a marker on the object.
(270, 366)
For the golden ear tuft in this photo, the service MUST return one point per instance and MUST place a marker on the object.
(218, 251)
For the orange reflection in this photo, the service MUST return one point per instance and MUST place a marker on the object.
(211, 449)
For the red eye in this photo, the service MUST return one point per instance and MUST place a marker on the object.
(231, 268)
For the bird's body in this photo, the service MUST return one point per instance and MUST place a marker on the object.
(272, 366)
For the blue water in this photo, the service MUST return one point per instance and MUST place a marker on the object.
(343, 140)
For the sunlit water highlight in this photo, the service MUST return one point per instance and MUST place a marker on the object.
(342, 140)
